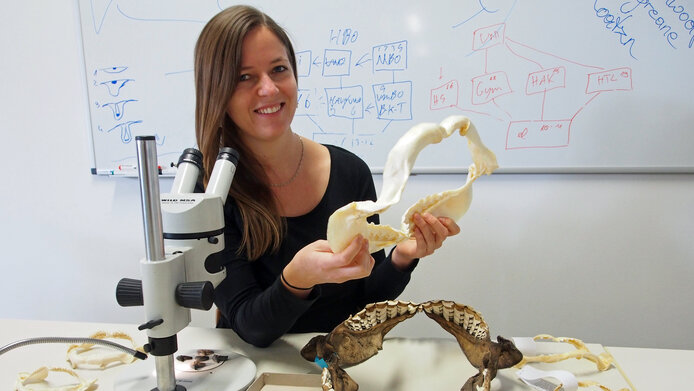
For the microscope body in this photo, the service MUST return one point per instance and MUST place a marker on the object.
(183, 231)
(193, 231)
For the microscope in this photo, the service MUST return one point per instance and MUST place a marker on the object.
(183, 231)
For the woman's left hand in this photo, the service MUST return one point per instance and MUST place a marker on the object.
(429, 234)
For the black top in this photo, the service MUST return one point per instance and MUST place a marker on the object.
(253, 301)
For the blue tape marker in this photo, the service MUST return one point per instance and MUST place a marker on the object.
(321, 363)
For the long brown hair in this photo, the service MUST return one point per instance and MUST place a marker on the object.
(217, 71)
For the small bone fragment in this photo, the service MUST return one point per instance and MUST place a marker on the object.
(28, 381)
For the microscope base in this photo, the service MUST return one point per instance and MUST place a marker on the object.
(235, 374)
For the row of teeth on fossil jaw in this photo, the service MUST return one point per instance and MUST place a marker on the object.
(350, 220)
(461, 315)
(377, 313)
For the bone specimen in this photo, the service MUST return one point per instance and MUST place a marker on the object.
(326, 380)
(357, 339)
(603, 361)
(336, 379)
(37, 381)
(89, 355)
(472, 334)
(350, 220)
(360, 337)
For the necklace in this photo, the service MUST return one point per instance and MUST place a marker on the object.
(296, 172)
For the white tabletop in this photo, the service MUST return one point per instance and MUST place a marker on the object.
(403, 364)
(656, 369)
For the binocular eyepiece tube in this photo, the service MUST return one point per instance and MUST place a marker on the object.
(223, 173)
(189, 167)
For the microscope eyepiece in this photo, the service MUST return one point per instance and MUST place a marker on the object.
(191, 155)
(229, 154)
(189, 167)
(223, 173)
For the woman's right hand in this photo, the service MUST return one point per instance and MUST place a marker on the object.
(317, 264)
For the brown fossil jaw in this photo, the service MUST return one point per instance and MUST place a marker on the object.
(472, 333)
(360, 337)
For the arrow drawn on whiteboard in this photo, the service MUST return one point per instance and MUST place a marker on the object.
(100, 13)
(361, 60)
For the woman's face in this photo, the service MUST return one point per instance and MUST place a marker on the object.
(265, 99)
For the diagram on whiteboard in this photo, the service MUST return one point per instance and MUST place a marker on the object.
(547, 85)
(542, 131)
(336, 96)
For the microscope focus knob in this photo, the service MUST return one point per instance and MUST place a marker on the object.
(129, 292)
(198, 295)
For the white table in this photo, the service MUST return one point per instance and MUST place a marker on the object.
(656, 369)
(403, 364)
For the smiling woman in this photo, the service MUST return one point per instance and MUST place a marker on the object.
(265, 98)
(282, 275)
(222, 42)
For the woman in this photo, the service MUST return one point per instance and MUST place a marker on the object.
(281, 274)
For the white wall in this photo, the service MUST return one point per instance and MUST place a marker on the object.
(606, 258)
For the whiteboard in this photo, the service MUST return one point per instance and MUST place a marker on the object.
(552, 86)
